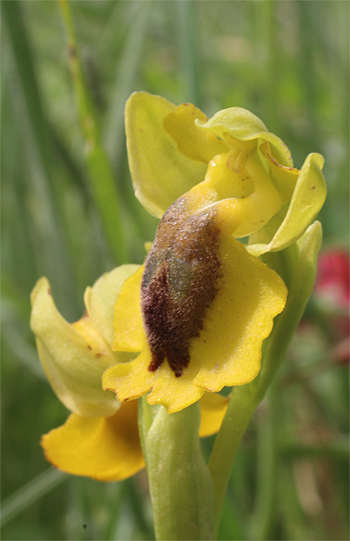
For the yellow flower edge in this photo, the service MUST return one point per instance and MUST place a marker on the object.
(108, 449)
(228, 349)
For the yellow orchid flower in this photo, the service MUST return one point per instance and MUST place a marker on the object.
(201, 307)
(100, 438)
(231, 161)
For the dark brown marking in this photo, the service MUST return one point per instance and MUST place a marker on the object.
(89, 347)
(179, 284)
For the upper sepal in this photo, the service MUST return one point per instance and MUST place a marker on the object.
(160, 173)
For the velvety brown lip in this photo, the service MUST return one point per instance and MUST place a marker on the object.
(179, 284)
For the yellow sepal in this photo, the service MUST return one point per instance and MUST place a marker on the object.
(213, 409)
(160, 173)
(106, 449)
(74, 356)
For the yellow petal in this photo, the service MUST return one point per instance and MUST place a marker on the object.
(242, 125)
(160, 173)
(197, 144)
(250, 197)
(106, 449)
(284, 177)
(101, 297)
(129, 334)
(213, 409)
(73, 356)
(308, 198)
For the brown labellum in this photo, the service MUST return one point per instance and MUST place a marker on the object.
(179, 284)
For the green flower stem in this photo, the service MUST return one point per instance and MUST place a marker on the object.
(245, 399)
(103, 185)
(180, 483)
(145, 419)
(239, 412)
(275, 347)
(263, 520)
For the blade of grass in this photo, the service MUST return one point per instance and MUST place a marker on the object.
(267, 55)
(22, 351)
(34, 136)
(189, 61)
(100, 175)
(293, 523)
(307, 73)
(263, 520)
(126, 74)
(29, 493)
(338, 449)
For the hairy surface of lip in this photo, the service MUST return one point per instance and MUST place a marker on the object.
(179, 284)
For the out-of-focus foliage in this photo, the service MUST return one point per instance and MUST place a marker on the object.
(285, 61)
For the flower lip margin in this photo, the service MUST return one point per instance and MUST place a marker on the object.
(220, 356)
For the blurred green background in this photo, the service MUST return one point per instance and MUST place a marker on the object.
(70, 214)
